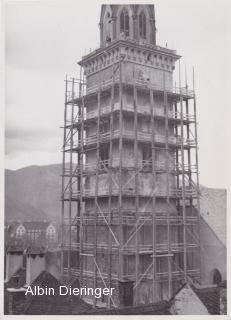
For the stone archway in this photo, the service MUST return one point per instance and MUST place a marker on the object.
(216, 276)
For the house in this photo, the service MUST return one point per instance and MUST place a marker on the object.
(40, 232)
(190, 299)
(40, 270)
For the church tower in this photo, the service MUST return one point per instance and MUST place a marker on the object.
(130, 200)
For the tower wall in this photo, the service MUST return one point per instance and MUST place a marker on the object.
(134, 223)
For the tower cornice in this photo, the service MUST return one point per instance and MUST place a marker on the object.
(130, 44)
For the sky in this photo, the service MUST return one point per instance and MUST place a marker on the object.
(46, 39)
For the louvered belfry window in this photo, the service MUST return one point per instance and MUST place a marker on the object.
(142, 25)
(124, 22)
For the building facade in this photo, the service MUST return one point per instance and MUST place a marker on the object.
(32, 232)
(130, 197)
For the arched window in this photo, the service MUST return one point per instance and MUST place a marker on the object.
(124, 22)
(108, 27)
(142, 25)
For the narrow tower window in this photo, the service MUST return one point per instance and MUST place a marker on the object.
(124, 22)
(142, 25)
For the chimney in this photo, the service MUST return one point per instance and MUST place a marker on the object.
(35, 263)
(14, 261)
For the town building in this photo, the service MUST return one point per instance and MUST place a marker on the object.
(32, 232)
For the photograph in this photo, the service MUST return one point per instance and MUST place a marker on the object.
(116, 157)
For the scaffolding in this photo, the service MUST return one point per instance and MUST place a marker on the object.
(166, 263)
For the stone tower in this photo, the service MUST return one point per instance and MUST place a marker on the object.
(136, 219)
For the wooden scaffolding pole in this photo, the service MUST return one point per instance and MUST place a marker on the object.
(110, 183)
(96, 189)
(167, 155)
(136, 192)
(183, 178)
(177, 165)
(70, 179)
(189, 164)
(154, 282)
(197, 169)
(78, 170)
(120, 258)
(63, 181)
(81, 231)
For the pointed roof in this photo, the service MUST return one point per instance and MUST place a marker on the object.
(186, 302)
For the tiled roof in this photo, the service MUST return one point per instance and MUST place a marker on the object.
(56, 304)
(210, 297)
(36, 225)
(36, 250)
(160, 308)
(15, 248)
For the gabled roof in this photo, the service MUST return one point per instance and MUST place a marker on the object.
(186, 302)
(54, 304)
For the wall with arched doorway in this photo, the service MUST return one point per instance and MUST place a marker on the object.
(216, 276)
(213, 255)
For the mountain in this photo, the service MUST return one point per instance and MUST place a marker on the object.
(33, 193)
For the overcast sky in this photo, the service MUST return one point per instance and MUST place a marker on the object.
(44, 41)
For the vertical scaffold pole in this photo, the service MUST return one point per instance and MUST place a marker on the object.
(120, 260)
(197, 169)
(136, 191)
(110, 183)
(70, 180)
(177, 164)
(167, 187)
(63, 181)
(96, 188)
(81, 148)
(154, 282)
(183, 179)
(78, 170)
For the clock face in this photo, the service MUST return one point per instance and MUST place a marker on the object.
(141, 73)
